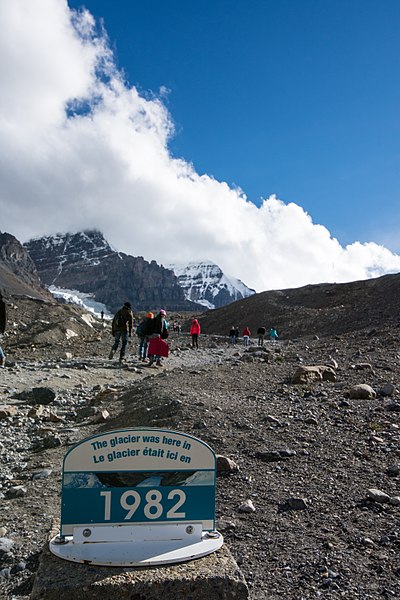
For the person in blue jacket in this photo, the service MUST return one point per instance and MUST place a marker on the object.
(273, 334)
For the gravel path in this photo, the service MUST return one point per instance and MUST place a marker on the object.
(307, 456)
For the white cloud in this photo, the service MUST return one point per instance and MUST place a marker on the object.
(109, 166)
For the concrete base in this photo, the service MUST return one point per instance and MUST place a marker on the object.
(213, 577)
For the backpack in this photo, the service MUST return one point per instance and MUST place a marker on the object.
(141, 328)
(119, 320)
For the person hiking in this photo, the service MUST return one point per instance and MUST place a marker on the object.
(157, 328)
(232, 335)
(3, 325)
(273, 334)
(261, 331)
(121, 328)
(141, 331)
(246, 336)
(195, 330)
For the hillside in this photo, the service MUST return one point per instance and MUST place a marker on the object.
(323, 310)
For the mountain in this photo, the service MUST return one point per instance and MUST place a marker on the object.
(326, 309)
(86, 262)
(18, 274)
(205, 283)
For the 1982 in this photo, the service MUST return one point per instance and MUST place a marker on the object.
(152, 508)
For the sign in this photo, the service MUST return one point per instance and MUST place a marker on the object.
(138, 476)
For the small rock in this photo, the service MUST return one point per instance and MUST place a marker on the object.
(275, 455)
(394, 500)
(38, 395)
(21, 566)
(271, 419)
(5, 573)
(393, 407)
(377, 496)
(6, 545)
(393, 470)
(387, 390)
(200, 425)
(47, 442)
(366, 541)
(16, 491)
(225, 525)
(293, 504)
(44, 474)
(362, 391)
(226, 465)
(7, 411)
(100, 416)
(247, 507)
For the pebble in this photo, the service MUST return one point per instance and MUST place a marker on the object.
(5, 573)
(247, 507)
(366, 541)
(293, 504)
(394, 500)
(6, 545)
(21, 566)
(41, 474)
(16, 491)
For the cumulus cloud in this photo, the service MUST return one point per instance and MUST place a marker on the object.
(79, 149)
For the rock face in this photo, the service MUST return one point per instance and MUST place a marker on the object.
(86, 262)
(18, 273)
(205, 283)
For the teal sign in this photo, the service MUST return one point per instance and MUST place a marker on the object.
(138, 476)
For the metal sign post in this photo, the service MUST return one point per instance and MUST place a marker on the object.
(136, 497)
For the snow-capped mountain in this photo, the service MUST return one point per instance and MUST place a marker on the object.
(205, 283)
(84, 263)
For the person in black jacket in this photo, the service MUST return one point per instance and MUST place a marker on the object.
(3, 325)
(121, 328)
(261, 331)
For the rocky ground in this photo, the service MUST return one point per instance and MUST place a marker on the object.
(299, 515)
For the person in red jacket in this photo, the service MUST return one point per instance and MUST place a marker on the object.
(246, 336)
(194, 333)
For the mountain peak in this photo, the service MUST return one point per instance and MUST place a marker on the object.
(204, 282)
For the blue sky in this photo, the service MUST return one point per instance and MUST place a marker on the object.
(297, 99)
(293, 102)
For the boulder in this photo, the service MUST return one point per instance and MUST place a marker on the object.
(378, 496)
(226, 465)
(307, 374)
(7, 411)
(38, 395)
(362, 391)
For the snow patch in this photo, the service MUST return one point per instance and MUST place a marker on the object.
(81, 299)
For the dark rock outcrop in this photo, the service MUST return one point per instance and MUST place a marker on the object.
(18, 274)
